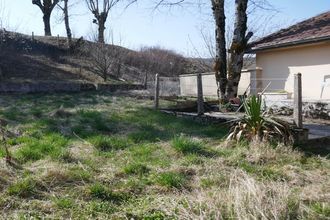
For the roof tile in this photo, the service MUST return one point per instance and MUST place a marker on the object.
(313, 29)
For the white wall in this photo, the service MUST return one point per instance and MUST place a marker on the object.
(188, 84)
(313, 62)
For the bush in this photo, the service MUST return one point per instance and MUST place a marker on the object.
(256, 125)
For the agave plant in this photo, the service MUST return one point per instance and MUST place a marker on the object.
(257, 125)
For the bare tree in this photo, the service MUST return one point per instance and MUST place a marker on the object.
(100, 59)
(106, 59)
(46, 8)
(100, 10)
(228, 63)
(65, 9)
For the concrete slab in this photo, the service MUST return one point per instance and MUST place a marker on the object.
(317, 129)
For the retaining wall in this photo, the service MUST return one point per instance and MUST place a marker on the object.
(47, 87)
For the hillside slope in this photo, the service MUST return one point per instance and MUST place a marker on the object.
(48, 59)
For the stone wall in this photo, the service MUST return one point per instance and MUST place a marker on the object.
(316, 110)
(311, 109)
(45, 87)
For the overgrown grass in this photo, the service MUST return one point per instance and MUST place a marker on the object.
(110, 143)
(23, 188)
(172, 180)
(187, 145)
(102, 192)
(36, 148)
(105, 157)
(64, 203)
(136, 169)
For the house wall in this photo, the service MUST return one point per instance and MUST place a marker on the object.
(188, 83)
(313, 62)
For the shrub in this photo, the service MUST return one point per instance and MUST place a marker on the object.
(256, 125)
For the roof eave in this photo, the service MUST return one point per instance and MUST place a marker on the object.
(289, 44)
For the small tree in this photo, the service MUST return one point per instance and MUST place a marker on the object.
(106, 60)
(46, 8)
(101, 12)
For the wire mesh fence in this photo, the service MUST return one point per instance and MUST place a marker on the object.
(168, 86)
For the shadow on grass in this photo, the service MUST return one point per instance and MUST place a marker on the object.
(188, 146)
(165, 127)
(141, 125)
(316, 147)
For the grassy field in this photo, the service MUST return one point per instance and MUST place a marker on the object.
(112, 157)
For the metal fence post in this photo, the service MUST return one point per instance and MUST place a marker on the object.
(156, 99)
(297, 114)
(200, 100)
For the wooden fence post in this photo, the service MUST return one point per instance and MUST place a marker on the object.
(58, 40)
(156, 99)
(297, 114)
(200, 99)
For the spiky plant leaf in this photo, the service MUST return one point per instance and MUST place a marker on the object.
(257, 125)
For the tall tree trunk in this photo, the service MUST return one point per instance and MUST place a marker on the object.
(46, 19)
(101, 24)
(220, 66)
(46, 6)
(237, 48)
(67, 24)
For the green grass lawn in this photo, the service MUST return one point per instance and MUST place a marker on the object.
(109, 157)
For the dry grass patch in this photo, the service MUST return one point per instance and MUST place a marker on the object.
(245, 198)
(63, 177)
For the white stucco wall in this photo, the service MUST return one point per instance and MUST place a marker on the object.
(188, 84)
(313, 62)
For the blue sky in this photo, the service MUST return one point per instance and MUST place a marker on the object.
(178, 29)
